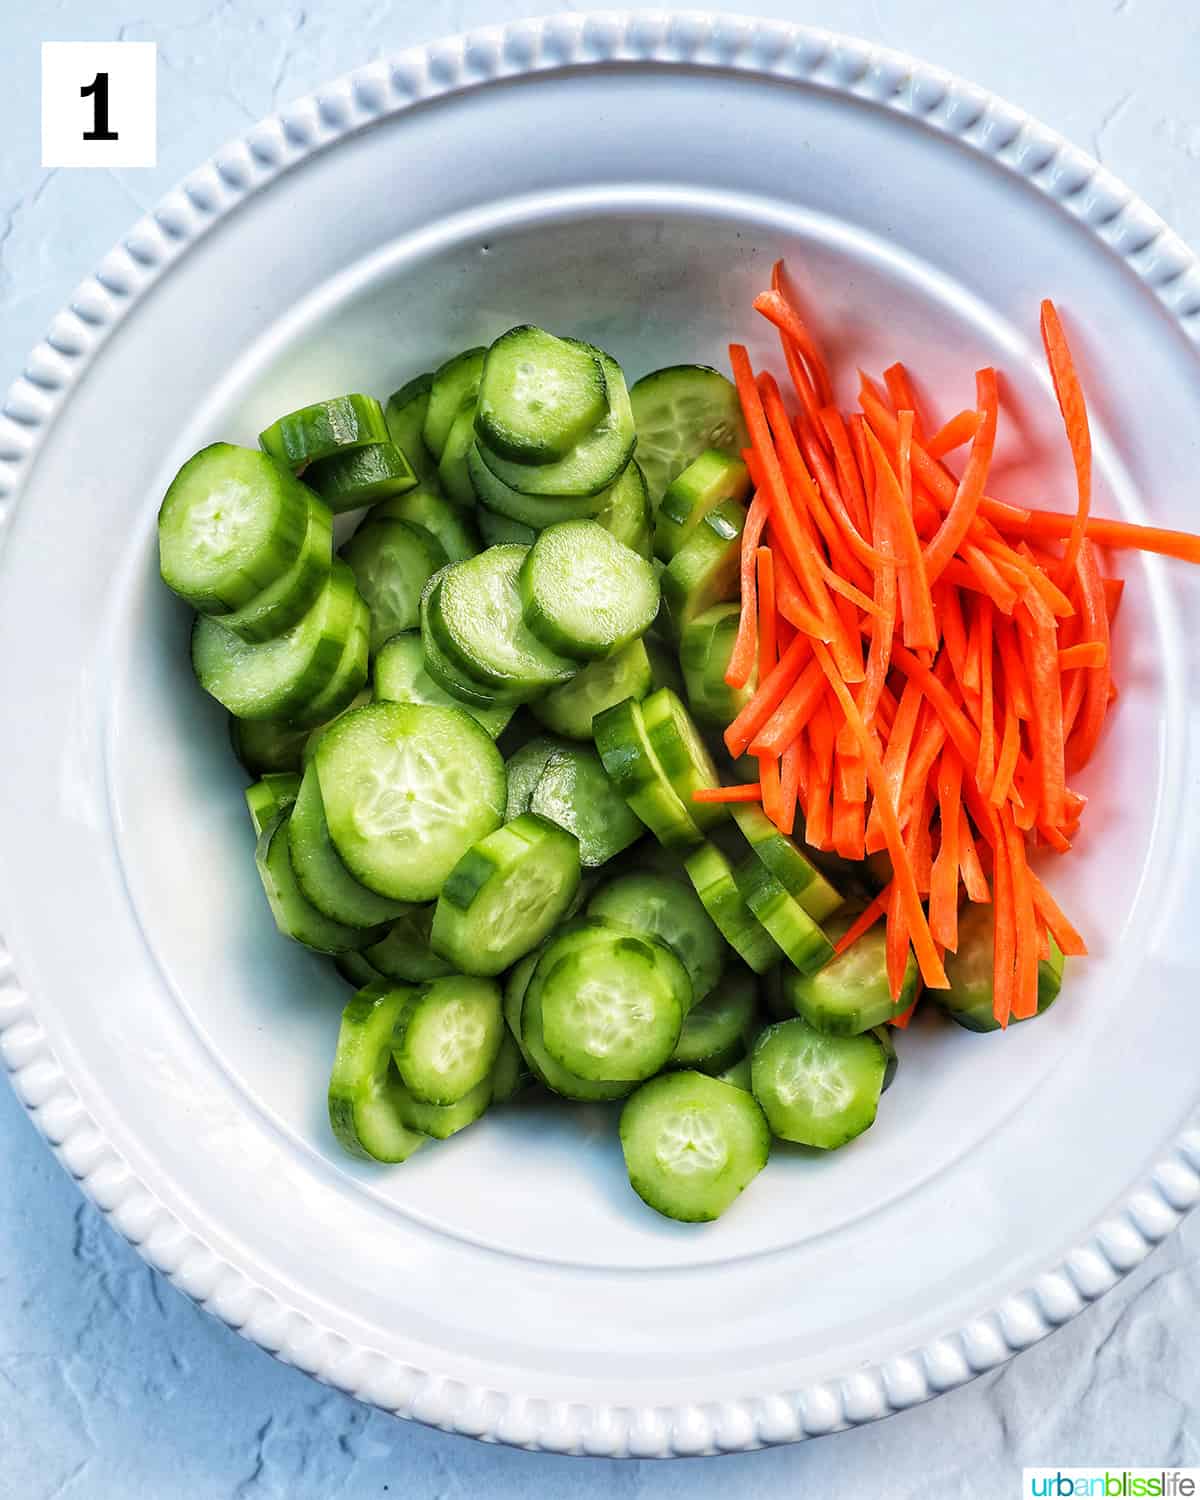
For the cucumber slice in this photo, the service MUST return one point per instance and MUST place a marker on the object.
(349, 677)
(638, 775)
(499, 531)
(667, 908)
(786, 861)
(404, 951)
(850, 993)
(706, 481)
(231, 524)
(704, 571)
(319, 871)
(277, 679)
(467, 690)
(363, 695)
(319, 431)
(275, 792)
(595, 462)
(264, 745)
(627, 512)
(815, 1089)
(357, 972)
(277, 608)
(425, 507)
(692, 1144)
(453, 474)
(441, 1121)
(683, 755)
(574, 791)
(361, 476)
(713, 878)
(705, 649)
(569, 710)
(783, 917)
(392, 562)
(612, 1003)
(364, 1088)
(524, 770)
(546, 1068)
(405, 418)
(514, 992)
(970, 996)
(664, 662)
(454, 384)
(715, 1032)
(583, 593)
(539, 395)
(447, 1038)
(885, 1037)
(501, 502)
(511, 1073)
(407, 790)
(475, 618)
(505, 894)
(294, 914)
(680, 412)
(400, 677)
(737, 1075)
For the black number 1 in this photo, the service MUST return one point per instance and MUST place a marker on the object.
(98, 89)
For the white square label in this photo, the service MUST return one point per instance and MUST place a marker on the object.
(99, 104)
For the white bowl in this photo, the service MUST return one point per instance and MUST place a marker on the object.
(630, 179)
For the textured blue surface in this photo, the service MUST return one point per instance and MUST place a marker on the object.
(111, 1383)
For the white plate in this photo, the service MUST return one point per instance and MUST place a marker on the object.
(630, 179)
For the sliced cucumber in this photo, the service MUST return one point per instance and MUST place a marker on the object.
(363, 695)
(970, 998)
(692, 1144)
(594, 463)
(294, 914)
(683, 755)
(524, 770)
(505, 894)
(275, 792)
(511, 1072)
(680, 412)
(475, 617)
(737, 1075)
(460, 685)
(815, 1089)
(575, 792)
(361, 476)
(405, 418)
(850, 993)
(441, 1121)
(453, 473)
(499, 531)
(276, 609)
(545, 1066)
(705, 649)
(400, 677)
(787, 862)
(278, 678)
(715, 1031)
(783, 917)
(364, 1088)
(232, 524)
(664, 661)
(426, 507)
(612, 1002)
(407, 790)
(392, 562)
(706, 481)
(447, 1037)
(885, 1036)
(264, 745)
(583, 593)
(319, 871)
(627, 513)
(323, 429)
(638, 775)
(713, 878)
(539, 395)
(454, 384)
(349, 676)
(569, 710)
(404, 951)
(704, 571)
(501, 503)
(357, 972)
(667, 908)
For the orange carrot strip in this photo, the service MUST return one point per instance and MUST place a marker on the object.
(789, 784)
(767, 618)
(745, 645)
(862, 458)
(896, 948)
(1005, 942)
(985, 765)
(1043, 937)
(817, 828)
(971, 664)
(791, 601)
(965, 505)
(1015, 687)
(927, 957)
(1063, 933)
(879, 654)
(943, 885)
(958, 726)
(1094, 609)
(902, 1020)
(1082, 654)
(746, 791)
(1040, 651)
(792, 715)
(830, 485)
(865, 920)
(974, 880)
(1010, 744)
(1075, 419)
(1113, 589)
(768, 774)
(850, 479)
(798, 331)
(929, 742)
(847, 590)
(767, 697)
(988, 578)
(1052, 595)
(916, 607)
(920, 841)
(895, 760)
(1025, 995)
(1053, 524)
(903, 395)
(960, 429)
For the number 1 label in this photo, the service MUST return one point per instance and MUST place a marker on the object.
(99, 104)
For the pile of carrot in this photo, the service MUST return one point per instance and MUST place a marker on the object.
(929, 664)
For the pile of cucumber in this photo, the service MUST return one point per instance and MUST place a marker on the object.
(477, 731)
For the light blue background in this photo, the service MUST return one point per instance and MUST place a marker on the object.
(112, 1384)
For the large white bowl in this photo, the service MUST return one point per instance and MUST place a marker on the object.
(631, 179)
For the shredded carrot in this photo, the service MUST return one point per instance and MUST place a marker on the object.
(965, 505)
(789, 785)
(767, 697)
(865, 920)
(1083, 654)
(792, 714)
(745, 646)
(916, 606)
(768, 618)
(903, 396)
(1075, 420)
(943, 885)
(973, 878)
(747, 791)
(772, 799)
(960, 429)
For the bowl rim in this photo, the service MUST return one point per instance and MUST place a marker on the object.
(576, 42)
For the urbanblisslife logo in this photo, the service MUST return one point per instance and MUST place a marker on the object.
(1113, 1484)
